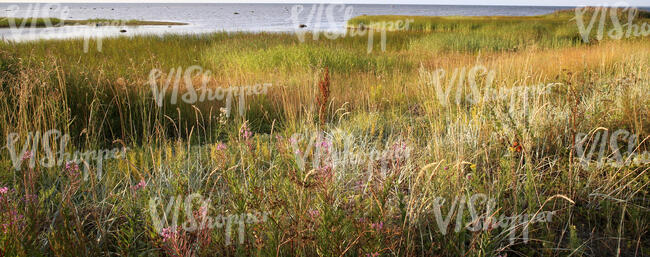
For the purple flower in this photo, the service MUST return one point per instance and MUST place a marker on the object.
(72, 168)
(245, 132)
(314, 214)
(29, 198)
(325, 144)
(377, 226)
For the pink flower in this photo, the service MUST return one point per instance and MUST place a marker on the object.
(221, 146)
(27, 155)
(245, 132)
(140, 185)
(72, 168)
(203, 211)
(377, 226)
(314, 214)
(3, 190)
(327, 168)
(375, 254)
(167, 233)
(325, 144)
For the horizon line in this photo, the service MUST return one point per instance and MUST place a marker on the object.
(311, 3)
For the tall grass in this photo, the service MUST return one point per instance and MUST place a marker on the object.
(516, 151)
(498, 33)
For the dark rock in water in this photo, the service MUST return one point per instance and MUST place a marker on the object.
(112, 9)
(123, 30)
(236, 13)
(302, 26)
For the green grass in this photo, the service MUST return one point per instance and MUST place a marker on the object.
(103, 100)
(29, 22)
(495, 33)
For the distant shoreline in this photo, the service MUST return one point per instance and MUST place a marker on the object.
(55, 22)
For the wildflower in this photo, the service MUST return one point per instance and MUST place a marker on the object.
(27, 155)
(377, 226)
(516, 147)
(245, 132)
(3, 190)
(223, 115)
(221, 146)
(203, 211)
(313, 214)
(325, 144)
(167, 234)
(72, 168)
(375, 254)
(140, 185)
(29, 198)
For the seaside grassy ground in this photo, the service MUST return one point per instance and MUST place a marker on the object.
(518, 151)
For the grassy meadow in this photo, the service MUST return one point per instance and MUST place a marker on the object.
(519, 151)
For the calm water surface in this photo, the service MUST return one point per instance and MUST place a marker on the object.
(204, 18)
